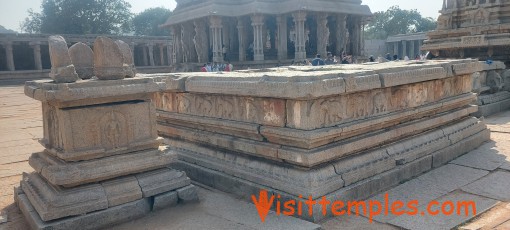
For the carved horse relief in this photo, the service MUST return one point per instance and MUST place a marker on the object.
(204, 105)
(184, 105)
(224, 108)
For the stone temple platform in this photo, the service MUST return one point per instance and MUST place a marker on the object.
(345, 132)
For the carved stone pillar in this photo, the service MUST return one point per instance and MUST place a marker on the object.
(281, 22)
(322, 34)
(257, 21)
(132, 46)
(300, 43)
(341, 32)
(216, 32)
(242, 39)
(404, 49)
(200, 40)
(9, 56)
(188, 47)
(161, 55)
(395, 48)
(151, 54)
(177, 48)
(355, 35)
(169, 53)
(412, 49)
(36, 46)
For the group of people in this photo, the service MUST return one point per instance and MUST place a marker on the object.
(217, 67)
(330, 60)
(388, 57)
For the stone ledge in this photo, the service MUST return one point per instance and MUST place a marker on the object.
(69, 174)
(95, 220)
(48, 91)
(328, 177)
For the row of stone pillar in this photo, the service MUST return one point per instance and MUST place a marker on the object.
(148, 55)
(216, 42)
(411, 51)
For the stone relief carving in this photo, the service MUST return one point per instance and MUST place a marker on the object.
(399, 98)
(481, 16)
(184, 105)
(494, 81)
(224, 108)
(380, 103)
(357, 106)
(204, 105)
(331, 110)
(444, 22)
(113, 130)
(250, 109)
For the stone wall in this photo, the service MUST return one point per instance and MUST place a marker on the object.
(337, 131)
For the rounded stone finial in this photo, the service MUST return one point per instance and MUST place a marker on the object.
(82, 57)
(108, 60)
(62, 69)
(128, 58)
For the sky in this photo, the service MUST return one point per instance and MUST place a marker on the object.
(14, 12)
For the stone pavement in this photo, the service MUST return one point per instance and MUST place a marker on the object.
(482, 175)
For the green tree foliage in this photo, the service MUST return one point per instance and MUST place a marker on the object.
(148, 21)
(397, 21)
(79, 17)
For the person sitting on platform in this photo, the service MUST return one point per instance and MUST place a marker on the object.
(204, 68)
(318, 61)
(330, 60)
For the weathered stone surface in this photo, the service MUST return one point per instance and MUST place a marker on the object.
(82, 58)
(122, 190)
(439, 222)
(265, 111)
(165, 200)
(62, 69)
(430, 186)
(188, 194)
(233, 128)
(71, 174)
(315, 182)
(486, 157)
(109, 60)
(363, 165)
(85, 133)
(227, 142)
(451, 152)
(161, 181)
(495, 186)
(53, 202)
(95, 220)
(97, 92)
(127, 55)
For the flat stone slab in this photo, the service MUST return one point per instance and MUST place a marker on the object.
(426, 221)
(354, 223)
(496, 185)
(95, 220)
(430, 186)
(216, 210)
(486, 157)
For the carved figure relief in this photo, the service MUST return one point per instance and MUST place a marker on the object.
(331, 111)
(357, 106)
(448, 90)
(204, 105)
(399, 98)
(251, 110)
(480, 17)
(444, 22)
(494, 81)
(224, 108)
(420, 95)
(184, 104)
(380, 103)
(113, 131)
(270, 114)
(471, 2)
